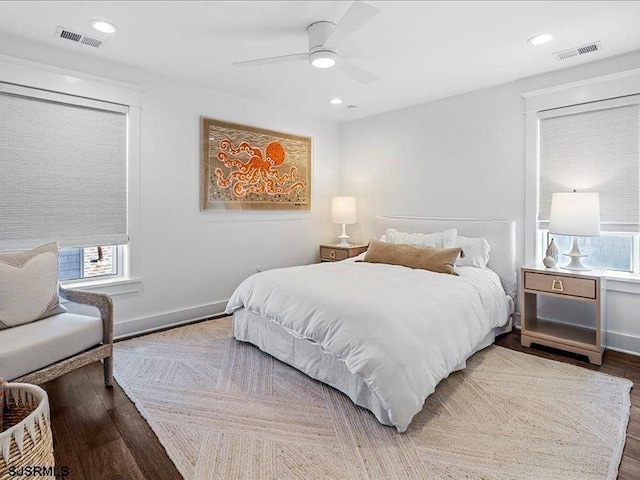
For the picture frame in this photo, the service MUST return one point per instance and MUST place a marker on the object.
(251, 168)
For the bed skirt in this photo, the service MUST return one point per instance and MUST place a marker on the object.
(317, 363)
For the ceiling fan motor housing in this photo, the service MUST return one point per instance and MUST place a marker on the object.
(318, 33)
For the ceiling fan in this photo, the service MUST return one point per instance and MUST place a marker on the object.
(324, 40)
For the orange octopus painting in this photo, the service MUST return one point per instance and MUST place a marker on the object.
(253, 168)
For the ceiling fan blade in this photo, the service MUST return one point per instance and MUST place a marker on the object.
(357, 73)
(269, 60)
(358, 14)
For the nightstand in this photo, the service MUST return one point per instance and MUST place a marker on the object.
(582, 286)
(333, 253)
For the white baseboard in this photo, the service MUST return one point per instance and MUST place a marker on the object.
(624, 343)
(150, 323)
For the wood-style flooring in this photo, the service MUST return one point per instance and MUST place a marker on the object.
(99, 434)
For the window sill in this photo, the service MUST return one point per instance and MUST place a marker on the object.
(623, 282)
(112, 287)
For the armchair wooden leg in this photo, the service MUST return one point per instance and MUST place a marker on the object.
(108, 371)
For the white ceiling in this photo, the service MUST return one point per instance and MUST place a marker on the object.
(420, 50)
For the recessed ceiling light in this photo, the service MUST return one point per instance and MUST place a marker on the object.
(335, 101)
(540, 39)
(323, 59)
(102, 26)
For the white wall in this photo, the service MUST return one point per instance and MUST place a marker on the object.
(192, 258)
(191, 261)
(463, 156)
(436, 159)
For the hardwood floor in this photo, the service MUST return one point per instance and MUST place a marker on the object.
(99, 434)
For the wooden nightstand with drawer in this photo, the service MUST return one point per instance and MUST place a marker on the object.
(582, 286)
(333, 253)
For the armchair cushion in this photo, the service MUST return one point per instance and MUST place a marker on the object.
(29, 285)
(30, 347)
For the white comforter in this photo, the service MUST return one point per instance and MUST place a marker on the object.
(401, 330)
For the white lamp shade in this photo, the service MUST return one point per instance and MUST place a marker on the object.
(575, 214)
(343, 210)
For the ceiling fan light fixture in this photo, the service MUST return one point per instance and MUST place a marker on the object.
(323, 59)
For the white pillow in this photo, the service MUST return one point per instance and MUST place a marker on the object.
(476, 252)
(446, 239)
(29, 285)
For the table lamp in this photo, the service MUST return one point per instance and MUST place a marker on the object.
(576, 214)
(343, 210)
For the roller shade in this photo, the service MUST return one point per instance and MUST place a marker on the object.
(593, 148)
(63, 173)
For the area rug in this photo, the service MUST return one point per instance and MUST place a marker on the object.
(225, 410)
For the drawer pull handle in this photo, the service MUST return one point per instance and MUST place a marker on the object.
(332, 254)
(556, 286)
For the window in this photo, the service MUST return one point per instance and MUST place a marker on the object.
(594, 147)
(64, 178)
(607, 252)
(91, 262)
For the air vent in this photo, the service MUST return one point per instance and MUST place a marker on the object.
(74, 37)
(78, 38)
(92, 42)
(588, 48)
(576, 51)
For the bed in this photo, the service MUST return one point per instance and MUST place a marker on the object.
(384, 335)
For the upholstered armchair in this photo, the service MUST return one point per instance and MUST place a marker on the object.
(48, 348)
(39, 338)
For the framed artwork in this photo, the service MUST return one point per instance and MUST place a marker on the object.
(246, 167)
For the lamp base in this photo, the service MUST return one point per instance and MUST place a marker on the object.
(343, 242)
(576, 257)
(343, 237)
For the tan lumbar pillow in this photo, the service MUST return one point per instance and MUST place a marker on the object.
(440, 260)
(29, 285)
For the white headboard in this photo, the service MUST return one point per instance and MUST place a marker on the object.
(501, 235)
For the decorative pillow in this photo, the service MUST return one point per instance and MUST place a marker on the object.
(29, 285)
(476, 252)
(446, 239)
(440, 260)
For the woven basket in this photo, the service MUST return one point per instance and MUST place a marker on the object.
(26, 442)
